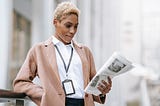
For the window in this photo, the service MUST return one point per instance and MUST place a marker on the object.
(20, 44)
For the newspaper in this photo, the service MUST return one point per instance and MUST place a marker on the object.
(115, 65)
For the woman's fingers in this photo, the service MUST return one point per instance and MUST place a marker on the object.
(104, 87)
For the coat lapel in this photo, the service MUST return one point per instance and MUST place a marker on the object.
(51, 55)
(82, 54)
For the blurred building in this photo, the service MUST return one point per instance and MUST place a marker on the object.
(128, 26)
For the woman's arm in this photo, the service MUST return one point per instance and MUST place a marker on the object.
(101, 98)
(23, 81)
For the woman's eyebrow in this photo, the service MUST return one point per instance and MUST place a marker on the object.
(71, 23)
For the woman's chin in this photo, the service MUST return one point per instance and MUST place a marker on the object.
(67, 42)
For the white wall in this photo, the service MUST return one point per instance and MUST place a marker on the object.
(6, 30)
(5, 26)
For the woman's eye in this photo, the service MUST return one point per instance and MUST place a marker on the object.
(76, 27)
(68, 26)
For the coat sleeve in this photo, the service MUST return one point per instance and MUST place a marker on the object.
(98, 99)
(23, 81)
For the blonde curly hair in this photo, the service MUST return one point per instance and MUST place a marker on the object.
(65, 8)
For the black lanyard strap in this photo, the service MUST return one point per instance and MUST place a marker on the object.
(70, 59)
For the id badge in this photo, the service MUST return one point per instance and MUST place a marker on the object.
(68, 87)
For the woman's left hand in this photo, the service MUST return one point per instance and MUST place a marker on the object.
(104, 87)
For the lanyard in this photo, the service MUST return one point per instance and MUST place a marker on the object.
(66, 67)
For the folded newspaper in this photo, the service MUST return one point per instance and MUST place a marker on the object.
(115, 65)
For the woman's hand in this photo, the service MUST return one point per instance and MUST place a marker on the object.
(104, 87)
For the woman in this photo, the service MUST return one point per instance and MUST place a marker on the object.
(63, 66)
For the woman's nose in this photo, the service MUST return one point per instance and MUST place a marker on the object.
(72, 30)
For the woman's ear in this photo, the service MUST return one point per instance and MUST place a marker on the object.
(55, 21)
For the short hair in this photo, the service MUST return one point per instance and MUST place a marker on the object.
(64, 9)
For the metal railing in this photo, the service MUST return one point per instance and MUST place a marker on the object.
(18, 99)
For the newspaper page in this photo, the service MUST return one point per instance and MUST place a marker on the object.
(115, 65)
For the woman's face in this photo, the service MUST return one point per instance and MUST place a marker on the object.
(66, 28)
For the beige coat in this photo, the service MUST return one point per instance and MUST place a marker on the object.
(41, 62)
